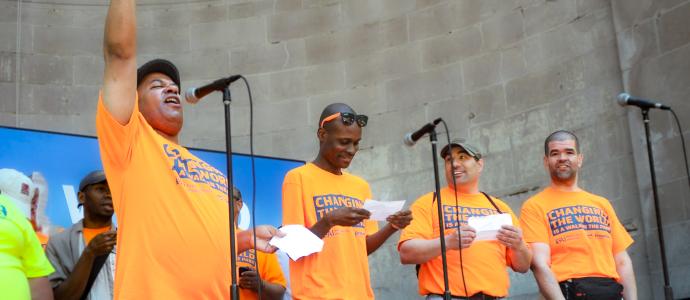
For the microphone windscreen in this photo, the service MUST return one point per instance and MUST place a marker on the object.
(408, 140)
(189, 96)
(623, 99)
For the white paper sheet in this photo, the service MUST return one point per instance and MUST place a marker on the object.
(487, 226)
(380, 210)
(297, 242)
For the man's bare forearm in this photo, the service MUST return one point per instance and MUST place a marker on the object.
(321, 227)
(548, 285)
(119, 52)
(272, 291)
(73, 287)
(120, 38)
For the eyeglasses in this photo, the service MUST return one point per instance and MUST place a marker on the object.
(347, 118)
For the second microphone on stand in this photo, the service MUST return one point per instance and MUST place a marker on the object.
(411, 138)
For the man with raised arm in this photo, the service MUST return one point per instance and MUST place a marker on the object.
(579, 245)
(172, 207)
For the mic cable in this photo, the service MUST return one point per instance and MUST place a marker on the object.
(682, 142)
(457, 210)
(251, 155)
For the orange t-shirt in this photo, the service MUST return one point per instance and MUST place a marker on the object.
(484, 262)
(172, 210)
(581, 229)
(341, 269)
(90, 233)
(269, 270)
(43, 239)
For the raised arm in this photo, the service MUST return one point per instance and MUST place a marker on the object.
(119, 53)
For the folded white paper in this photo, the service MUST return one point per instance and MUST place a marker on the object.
(487, 226)
(297, 242)
(380, 210)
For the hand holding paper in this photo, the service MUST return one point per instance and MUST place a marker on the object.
(510, 236)
(380, 210)
(487, 227)
(297, 242)
(400, 220)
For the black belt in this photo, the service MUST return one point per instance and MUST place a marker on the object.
(477, 296)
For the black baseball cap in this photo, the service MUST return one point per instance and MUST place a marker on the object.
(236, 194)
(159, 65)
(92, 178)
(469, 149)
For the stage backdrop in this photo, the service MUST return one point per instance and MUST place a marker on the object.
(56, 162)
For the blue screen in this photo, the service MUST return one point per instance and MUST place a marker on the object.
(63, 160)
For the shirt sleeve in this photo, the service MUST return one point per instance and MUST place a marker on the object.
(293, 204)
(59, 276)
(115, 140)
(533, 224)
(621, 238)
(421, 226)
(33, 258)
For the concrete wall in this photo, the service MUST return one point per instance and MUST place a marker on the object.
(654, 39)
(502, 73)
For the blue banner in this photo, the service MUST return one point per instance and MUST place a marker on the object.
(52, 164)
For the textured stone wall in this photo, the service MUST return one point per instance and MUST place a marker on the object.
(654, 43)
(502, 73)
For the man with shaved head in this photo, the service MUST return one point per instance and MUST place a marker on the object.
(324, 198)
(578, 243)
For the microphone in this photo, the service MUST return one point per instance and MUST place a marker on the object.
(193, 95)
(411, 138)
(625, 99)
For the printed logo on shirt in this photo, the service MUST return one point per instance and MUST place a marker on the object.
(189, 170)
(3, 211)
(247, 259)
(451, 213)
(324, 204)
(578, 217)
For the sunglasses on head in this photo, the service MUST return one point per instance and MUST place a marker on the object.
(347, 118)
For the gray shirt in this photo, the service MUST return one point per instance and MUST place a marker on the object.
(64, 250)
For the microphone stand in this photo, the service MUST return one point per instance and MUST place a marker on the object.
(442, 229)
(234, 291)
(668, 291)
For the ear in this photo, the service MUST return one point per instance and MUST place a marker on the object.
(546, 163)
(480, 162)
(321, 134)
(82, 197)
(580, 159)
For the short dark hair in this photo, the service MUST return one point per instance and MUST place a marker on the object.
(335, 108)
(561, 135)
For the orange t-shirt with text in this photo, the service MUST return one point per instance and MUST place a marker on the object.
(484, 263)
(341, 269)
(269, 270)
(172, 211)
(581, 229)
